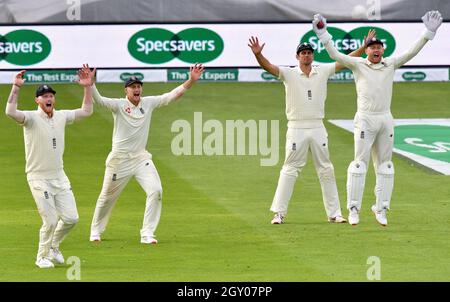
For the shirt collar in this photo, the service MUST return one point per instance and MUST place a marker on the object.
(313, 71)
(131, 104)
(382, 63)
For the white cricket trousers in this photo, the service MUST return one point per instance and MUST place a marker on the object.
(119, 171)
(58, 210)
(373, 134)
(298, 143)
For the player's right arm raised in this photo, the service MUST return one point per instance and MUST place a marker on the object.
(325, 38)
(11, 105)
(262, 61)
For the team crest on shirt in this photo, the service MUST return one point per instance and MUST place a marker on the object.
(128, 110)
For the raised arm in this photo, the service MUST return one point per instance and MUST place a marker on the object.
(86, 81)
(11, 105)
(262, 61)
(111, 104)
(325, 38)
(432, 20)
(357, 53)
(195, 72)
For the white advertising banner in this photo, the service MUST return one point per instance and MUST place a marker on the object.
(179, 45)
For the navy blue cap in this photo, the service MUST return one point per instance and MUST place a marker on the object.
(303, 46)
(43, 89)
(375, 41)
(131, 80)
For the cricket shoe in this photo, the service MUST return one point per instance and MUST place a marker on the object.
(353, 216)
(380, 216)
(277, 219)
(337, 219)
(44, 263)
(148, 240)
(95, 238)
(56, 256)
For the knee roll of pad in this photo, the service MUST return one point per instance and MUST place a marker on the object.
(386, 168)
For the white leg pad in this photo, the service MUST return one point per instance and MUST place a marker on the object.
(384, 185)
(356, 177)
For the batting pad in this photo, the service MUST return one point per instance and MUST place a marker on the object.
(384, 185)
(356, 177)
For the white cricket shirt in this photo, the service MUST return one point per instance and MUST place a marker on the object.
(305, 95)
(132, 123)
(374, 81)
(44, 142)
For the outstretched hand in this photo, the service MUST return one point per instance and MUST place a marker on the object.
(254, 45)
(370, 35)
(195, 71)
(432, 20)
(86, 76)
(18, 79)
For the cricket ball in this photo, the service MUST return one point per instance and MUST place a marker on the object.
(320, 25)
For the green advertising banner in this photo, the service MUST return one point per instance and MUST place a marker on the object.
(51, 76)
(226, 75)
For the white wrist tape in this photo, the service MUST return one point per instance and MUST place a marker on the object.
(429, 35)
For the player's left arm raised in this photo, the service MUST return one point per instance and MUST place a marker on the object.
(357, 53)
(195, 73)
(432, 20)
(85, 80)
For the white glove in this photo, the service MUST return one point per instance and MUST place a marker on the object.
(432, 20)
(318, 18)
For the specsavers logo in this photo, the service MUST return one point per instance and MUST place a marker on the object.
(346, 42)
(24, 47)
(411, 76)
(268, 76)
(192, 45)
(126, 75)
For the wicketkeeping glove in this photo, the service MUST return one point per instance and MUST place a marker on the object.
(321, 33)
(318, 18)
(432, 20)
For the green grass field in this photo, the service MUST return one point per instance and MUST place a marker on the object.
(215, 219)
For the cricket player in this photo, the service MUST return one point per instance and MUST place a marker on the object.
(44, 148)
(128, 157)
(373, 122)
(306, 91)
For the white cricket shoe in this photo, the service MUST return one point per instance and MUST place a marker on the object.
(277, 219)
(95, 238)
(353, 216)
(337, 219)
(380, 215)
(56, 256)
(44, 263)
(148, 240)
